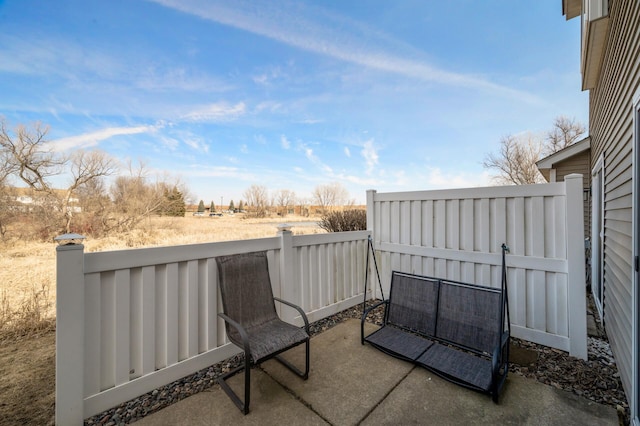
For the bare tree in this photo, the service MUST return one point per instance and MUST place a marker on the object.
(284, 199)
(330, 195)
(305, 205)
(29, 157)
(565, 131)
(93, 196)
(8, 207)
(96, 206)
(86, 166)
(137, 197)
(516, 160)
(7, 198)
(257, 201)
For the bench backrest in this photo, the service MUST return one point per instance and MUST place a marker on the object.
(413, 302)
(469, 315)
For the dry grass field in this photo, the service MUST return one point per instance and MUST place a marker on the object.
(27, 300)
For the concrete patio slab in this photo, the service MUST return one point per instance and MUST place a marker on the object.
(270, 404)
(353, 384)
(347, 380)
(425, 398)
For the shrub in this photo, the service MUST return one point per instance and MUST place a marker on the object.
(347, 220)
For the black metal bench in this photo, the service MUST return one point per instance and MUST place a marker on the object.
(456, 330)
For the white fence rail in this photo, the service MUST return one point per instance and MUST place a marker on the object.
(134, 320)
(457, 234)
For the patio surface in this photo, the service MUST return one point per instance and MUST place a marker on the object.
(352, 384)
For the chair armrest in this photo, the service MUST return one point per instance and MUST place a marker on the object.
(243, 334)
(364, 317)
(299, 309)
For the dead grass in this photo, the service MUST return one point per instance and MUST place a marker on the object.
(27, 269)
(27, 301)
(27, 388)
(32, 315)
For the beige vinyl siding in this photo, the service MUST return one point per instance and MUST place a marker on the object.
(611, 130)
(580, 163)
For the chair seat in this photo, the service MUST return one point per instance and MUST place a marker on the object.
(273, 337)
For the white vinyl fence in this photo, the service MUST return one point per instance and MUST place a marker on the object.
(457, 235)
(131, 321)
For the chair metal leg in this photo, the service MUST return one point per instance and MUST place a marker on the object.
(243, 406)
(293, 368)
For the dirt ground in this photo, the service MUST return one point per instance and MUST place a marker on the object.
(27, 369)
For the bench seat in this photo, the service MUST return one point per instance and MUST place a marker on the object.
(399, 343)
(455, 365)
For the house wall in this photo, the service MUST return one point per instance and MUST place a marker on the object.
(580, 163)
(611, 131)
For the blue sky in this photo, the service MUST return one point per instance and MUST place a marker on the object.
(393, 96)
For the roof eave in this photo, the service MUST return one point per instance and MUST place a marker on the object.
(568, 152)
(571, 8)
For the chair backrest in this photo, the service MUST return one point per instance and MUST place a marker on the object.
(245, 287)
(469, 315)
(413, 302)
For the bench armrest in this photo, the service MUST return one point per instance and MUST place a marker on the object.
(364, 316)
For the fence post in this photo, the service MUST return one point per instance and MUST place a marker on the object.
(370, 211)
(69, 330)
(374, 237)
(576, 264)
(289, 291)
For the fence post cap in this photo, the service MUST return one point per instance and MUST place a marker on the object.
(68, 239)
(284, 227)
(573, 176)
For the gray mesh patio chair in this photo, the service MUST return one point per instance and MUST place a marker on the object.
(251, 320)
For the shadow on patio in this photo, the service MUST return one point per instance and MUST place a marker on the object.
(354, 384)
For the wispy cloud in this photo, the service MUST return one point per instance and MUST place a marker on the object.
(269, 106)
(310, 121)
(93, 138)
(267, 77)
(284, 142)
(182, 79)
(437, 179)
(216, 112)
(55, 56)
(314, 159)
(196, 144)
(218, 171)
(299, 27)
(370, 155)
(347, 151)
